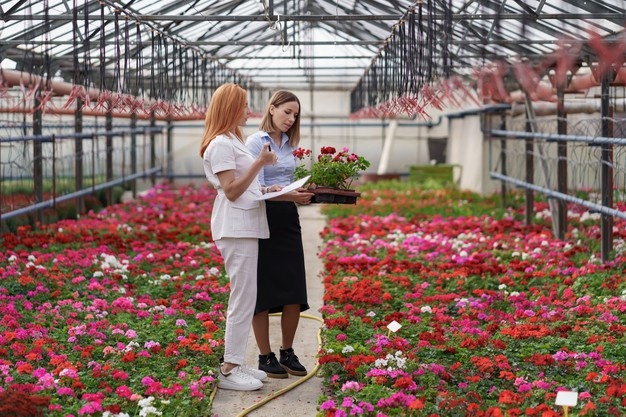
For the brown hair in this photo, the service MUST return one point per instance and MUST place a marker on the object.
(224, 109)
(278, 98)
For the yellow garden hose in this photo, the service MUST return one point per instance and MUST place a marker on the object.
(290, 386)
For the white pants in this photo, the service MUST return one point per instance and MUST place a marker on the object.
(240, 259)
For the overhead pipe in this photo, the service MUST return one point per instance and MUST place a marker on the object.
(13, 78)
(546, 91)
(102, 113)
(544, 108)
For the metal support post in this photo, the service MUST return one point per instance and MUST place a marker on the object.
(561, 162)
(503, 151)
(530, 171)
(133, 151)
(37, 157)
(170, 151)
(78, 155)
(109, 151)
(152, 146)
(606, 222)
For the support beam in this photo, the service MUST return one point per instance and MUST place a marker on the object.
(319, 18)
(606, 170)
(561, 165)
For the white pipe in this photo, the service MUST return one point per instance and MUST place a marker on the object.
(386, 154)
(588, 106)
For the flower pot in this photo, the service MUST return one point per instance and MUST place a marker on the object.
(331, 195)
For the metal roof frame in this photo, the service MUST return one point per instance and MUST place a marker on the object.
(292, 38)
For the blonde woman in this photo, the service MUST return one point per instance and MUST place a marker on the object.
(238, 221)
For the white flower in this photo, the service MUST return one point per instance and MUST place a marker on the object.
(380, 363)
(347, 349)
(401, 362)
(426, 309)
(129, 347)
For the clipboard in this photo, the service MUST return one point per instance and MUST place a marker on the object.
(286, 189)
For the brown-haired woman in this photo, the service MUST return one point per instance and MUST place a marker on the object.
(281, 284)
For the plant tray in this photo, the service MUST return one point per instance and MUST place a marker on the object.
(334, 196)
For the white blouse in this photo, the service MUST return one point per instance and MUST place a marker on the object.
(244, 217)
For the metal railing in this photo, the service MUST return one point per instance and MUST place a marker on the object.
(41, 171)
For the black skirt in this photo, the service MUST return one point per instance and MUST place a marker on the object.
(281, 272)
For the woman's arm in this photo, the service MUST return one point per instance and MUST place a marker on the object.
(234, 187)
(300, 196)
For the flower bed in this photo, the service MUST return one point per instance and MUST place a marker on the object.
(122, 312)
(117, 313)
(496, 317)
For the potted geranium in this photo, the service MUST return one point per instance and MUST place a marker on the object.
(331, 174)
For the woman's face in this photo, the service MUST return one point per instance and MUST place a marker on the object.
(285, 115)
(243, 116)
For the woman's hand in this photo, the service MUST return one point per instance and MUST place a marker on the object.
(272, 188)
(301, 196)
(267, 157)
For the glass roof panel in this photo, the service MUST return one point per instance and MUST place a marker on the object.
(297, 36)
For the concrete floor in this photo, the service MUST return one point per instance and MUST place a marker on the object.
(293, 396)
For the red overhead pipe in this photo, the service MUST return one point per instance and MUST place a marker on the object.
(588, 80)
(545, 91)
(12, 78)
(102, 113)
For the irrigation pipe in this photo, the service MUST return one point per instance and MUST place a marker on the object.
(290, 386)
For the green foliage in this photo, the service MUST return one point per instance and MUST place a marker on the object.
(409, 199)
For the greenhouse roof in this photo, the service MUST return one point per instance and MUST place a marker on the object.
(295, 44)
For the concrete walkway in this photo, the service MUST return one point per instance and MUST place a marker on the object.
(301, 400)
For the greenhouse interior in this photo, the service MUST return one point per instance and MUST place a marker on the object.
(476, 268)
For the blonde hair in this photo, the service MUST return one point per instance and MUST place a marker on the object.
(223, 112)
(267, 125)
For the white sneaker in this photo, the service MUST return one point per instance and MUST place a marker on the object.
(238, 380)
(255, 373)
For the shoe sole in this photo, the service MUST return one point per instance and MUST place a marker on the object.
(277, 376)
(238, 387)
(292, 372)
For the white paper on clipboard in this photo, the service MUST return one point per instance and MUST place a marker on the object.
(287, 188)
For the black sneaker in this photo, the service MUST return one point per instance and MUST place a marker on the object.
(269, 364)
(289, 361)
